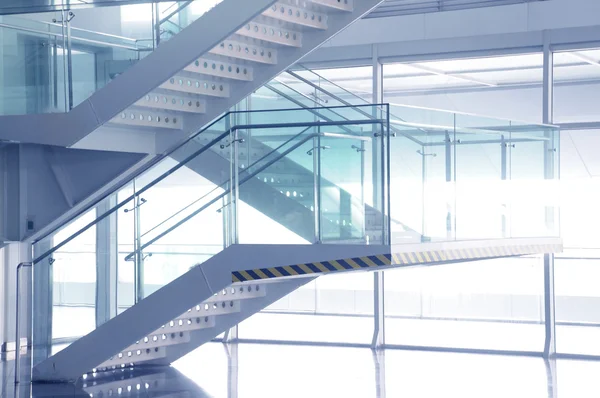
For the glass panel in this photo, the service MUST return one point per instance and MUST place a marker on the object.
(407, 176)
(576, 76)
(480, 166)
(533, 167)
(175, 16)
(74, 279)
(342, 188)
(125, 245)
(33, 67)
(192, 243)
(577, 295)
(489, 305)
(277, 191)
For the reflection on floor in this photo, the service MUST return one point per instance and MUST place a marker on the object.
(263, 370)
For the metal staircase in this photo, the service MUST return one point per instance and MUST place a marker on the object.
(215, 292)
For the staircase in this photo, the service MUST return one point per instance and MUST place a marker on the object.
(215, 292)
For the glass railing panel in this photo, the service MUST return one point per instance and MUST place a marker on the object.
(276, 194)
(183, 188)
(480, 183)
(407, 186)
(34, 67)
(422, 143)
(344, 183)
(263, 145)
(125, 231)
(97, 58)
(533, 172)
(422, 119)
(337, 92)
(438, 192)
(193, 242)
(276, 95)
(176, 16)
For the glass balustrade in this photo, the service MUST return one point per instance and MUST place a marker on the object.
(54, 61)
(288, 179)
(471, 177)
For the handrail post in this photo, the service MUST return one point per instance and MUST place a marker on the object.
(18, 324)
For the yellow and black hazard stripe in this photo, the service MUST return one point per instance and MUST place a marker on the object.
(400, 258)
(313, 268)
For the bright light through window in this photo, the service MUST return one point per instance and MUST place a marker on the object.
(136, 13)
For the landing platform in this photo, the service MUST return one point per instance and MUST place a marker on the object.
(403, 255)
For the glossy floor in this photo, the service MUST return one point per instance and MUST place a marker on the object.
(264, 370)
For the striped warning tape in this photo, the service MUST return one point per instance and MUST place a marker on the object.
(401, 258)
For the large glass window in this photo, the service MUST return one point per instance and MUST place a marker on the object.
(506, 86)
(576, 86)
(576, 78)
(333, 308)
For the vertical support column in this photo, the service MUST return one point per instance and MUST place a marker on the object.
(379, 362)
(67, 21)
(232, 370)
(12, 255)
(552, 378)
(450, 202)
(378, 339)
(316, 152)
(236, 185)
(503, 174)
(106, 262)
(549, 310)
(549, 156)
(231, 335)
(23, 296)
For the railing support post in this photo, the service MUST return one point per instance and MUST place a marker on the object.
(18, 320)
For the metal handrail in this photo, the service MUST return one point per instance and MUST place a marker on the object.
(75, 38)
(18, 324)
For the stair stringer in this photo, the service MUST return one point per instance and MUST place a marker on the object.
(175, 298)
(65, 129)
(275, 291)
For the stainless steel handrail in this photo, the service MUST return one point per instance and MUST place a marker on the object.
(18, 324)
(187, 3)
(75, 38)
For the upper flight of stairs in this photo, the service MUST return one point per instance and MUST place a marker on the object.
(201, 72)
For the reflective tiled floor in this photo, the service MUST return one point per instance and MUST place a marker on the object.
(263, 370)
